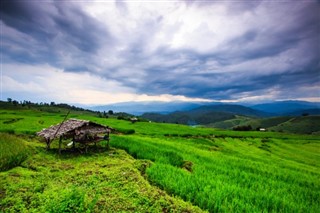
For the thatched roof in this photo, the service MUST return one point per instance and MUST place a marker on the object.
(68, 128)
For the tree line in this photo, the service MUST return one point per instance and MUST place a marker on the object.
(26, 103)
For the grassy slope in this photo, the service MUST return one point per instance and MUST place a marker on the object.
(228, 124)
(231, 171)
(300, 125)
(101, 181)
(288, 124)
(232, 174)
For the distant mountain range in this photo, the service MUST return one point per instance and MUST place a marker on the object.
(276, 108)
(205, 114)
(138, 108)
(289, 107)
(283, 116)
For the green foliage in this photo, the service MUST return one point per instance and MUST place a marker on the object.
(73, 199)
(13, 151)
(125, 131)
(45, 107)
(242, 128)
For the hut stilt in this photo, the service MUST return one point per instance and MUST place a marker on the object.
(60, 141)
(48, 143)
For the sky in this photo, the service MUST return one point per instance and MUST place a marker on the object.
(103, 52)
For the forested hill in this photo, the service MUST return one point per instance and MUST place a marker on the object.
(205, 114)
(239, 117)
(231, 108)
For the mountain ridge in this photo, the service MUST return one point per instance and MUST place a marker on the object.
(139, 108)
(205, 114)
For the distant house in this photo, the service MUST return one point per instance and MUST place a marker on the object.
(80, 131)
(262, 129)
(133, 120)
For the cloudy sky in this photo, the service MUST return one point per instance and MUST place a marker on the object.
(116, 51)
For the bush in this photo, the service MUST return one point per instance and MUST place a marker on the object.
(186, 135)
(187, 165)
(126, 131)
(242, 128)
(9, 131)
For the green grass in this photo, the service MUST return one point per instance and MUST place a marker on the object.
(100, 181)
(234, 174)
(13, 151)
(300, 125)
(229, 124)
(217, 170)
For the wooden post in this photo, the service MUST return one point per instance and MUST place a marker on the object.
(48, 143)
(60, 145)
(74, 143)
(108, 140)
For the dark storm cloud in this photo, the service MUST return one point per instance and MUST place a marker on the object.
(54, 29)
(203, 49)
(295, 41)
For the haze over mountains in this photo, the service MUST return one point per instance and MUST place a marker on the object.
(275, 108)
(289, 107)
(281, 116)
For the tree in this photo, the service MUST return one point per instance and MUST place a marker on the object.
(110, 112)
(9, 100)
(242, 128)
(15, 102)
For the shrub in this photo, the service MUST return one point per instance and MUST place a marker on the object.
(120, 117)
(242, 128)
(126, 131)
(187, 165)
(265, 140)
(9, 131)
(186, 135)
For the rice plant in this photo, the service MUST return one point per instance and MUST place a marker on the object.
(237, 176)
(13, 151)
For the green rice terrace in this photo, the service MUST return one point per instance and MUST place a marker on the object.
(155, 167)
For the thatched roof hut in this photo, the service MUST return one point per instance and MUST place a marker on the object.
(78, 130)
(70, 126)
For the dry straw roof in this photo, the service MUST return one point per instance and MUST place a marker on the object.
(69, 126)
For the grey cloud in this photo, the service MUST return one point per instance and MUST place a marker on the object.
(122, 7)
(65, 36)
(238, 7)
(56, 28)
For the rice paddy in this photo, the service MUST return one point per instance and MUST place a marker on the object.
(215, 170)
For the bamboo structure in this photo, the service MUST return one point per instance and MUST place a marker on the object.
(80, 131)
